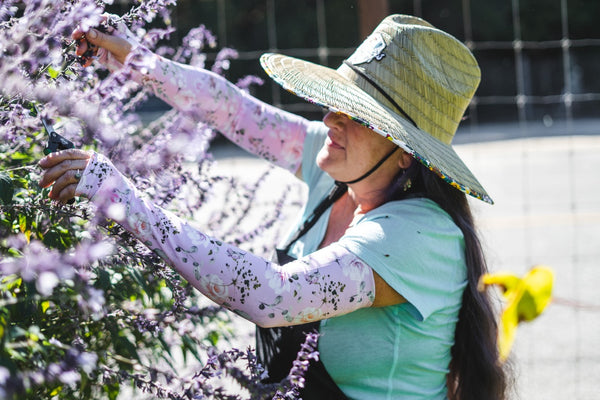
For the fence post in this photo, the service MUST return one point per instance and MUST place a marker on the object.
(370, 13)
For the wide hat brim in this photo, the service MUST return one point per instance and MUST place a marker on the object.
(326, 87)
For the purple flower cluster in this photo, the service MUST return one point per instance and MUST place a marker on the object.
(84, 307)
(241, 366)
(68, 372)
(194, 43)
(37, 60)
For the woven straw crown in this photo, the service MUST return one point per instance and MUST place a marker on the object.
(408, 81)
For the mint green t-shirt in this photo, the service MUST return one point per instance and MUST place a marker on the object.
(401, 351)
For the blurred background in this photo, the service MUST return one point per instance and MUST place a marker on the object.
(531, 134)
(539, 58)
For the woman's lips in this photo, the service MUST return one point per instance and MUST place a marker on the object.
(331, 143)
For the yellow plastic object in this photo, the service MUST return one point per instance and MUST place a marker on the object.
(525, 299)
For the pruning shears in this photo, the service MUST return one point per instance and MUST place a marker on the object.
(56, 142)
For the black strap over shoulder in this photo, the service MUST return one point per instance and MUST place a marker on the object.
(336, 192)
(277, 348)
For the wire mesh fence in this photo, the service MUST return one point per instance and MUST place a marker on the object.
(537, 57)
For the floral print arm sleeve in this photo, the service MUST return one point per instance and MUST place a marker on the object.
(206, 97)
(327, 283)
(264, 130)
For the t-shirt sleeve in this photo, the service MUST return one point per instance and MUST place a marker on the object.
(315, 137)
(318, 183)
(417, 249)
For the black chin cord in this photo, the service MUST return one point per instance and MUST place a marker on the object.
(369, 172)
(337, 191)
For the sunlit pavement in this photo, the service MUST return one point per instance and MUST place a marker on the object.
(547, 211)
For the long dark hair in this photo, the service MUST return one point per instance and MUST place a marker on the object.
(475, 369)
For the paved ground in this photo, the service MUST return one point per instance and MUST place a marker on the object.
(547, 211)
(547, 194)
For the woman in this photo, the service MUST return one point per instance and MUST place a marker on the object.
(387, 257)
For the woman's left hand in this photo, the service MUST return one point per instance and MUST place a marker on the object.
(63, 169)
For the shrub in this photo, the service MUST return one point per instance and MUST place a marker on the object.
(85, 309)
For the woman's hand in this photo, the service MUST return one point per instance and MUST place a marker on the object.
(116, 42)
(63, 169)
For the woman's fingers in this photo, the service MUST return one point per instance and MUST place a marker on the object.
(66, 168)
(91, 40)
(118, 46)
(66, 194)
(55, 158)
(79, 33)
(63, 170)
(82, 38)
(64, 187)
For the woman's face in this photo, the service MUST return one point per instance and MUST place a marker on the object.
(352, 149)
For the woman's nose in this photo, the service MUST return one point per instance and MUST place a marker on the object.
(331, 119)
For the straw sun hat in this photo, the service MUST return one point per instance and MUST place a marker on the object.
(408, 81)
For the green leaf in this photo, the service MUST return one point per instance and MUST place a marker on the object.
(22, 222)
(3, 324)
(9, 283)
(7, 188)
(44, 305)
(188, 345)
(18, 156)
(112, 390)
(166, 347)
(137, 277)
(125, 347)
(52, 239)
(53, 72)
(65, 238)
(213, 337)
(103, 281)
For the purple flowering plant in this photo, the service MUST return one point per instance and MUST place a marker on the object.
(86, 311)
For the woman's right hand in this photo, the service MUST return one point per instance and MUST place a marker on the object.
(62, 170)
(116, 43)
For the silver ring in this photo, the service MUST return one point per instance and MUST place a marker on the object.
(77, 175)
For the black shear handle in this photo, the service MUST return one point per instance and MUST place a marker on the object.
(57, 143)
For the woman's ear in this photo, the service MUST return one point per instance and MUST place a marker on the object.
(405, 160)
